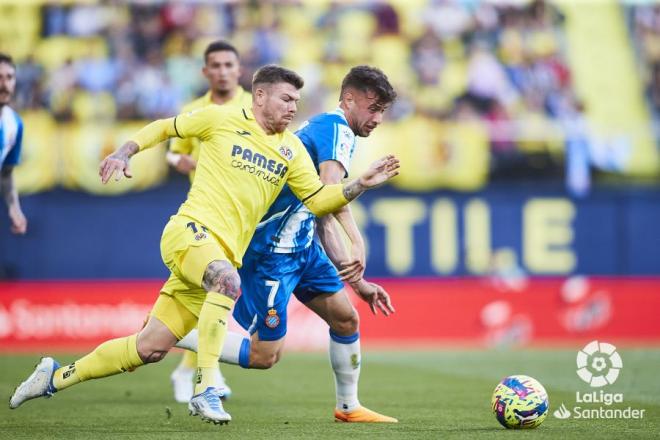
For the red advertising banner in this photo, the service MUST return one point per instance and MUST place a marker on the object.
(77, 315)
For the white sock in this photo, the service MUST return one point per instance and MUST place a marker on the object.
(345, 359)
(236, 349)
(189, 341)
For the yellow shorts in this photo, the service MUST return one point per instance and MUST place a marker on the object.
(187, 248)
(176, 317)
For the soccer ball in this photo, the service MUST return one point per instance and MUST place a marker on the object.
(520, 402)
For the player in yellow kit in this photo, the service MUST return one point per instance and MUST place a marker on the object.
(246, 158)
(222, 70)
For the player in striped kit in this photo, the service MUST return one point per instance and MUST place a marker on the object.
(11, 138)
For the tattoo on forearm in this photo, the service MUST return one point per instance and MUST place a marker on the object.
(126, 151)
(352, 189)
(9, 194)
(221, 277)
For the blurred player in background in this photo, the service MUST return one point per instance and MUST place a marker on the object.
(11, 138)
(221, 69)
(248, 157)
(283, 257)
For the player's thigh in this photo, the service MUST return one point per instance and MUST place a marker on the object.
(337, 310)
(322, 291)
(174, 313)
(267, 281)
(187, 248)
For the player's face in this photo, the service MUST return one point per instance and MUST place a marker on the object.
(363, 111)
(222, 71)
(279, 104)
(7, 83)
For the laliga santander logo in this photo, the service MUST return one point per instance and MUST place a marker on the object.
(598, 364)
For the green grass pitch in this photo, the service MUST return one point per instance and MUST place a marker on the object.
(435, 394)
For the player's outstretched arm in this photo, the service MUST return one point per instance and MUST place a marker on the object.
(371, 293)
(10, 195)
(354, 269)
(378, 173)
(323, 199)
(117, 162)
(199, 124)
(350, 264)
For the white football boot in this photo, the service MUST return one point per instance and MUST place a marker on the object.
(208, 406)
(39, 384)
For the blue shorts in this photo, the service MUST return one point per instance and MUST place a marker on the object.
(267, 281)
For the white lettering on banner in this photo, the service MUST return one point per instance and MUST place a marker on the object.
(444, 236)
(399, 242)
(477, 236)
(546, 234)
(25, 320)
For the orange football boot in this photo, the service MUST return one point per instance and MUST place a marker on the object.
(362, 415)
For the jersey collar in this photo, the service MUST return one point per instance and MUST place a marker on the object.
(247, 113)
(340, 112)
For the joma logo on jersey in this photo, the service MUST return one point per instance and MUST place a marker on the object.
(259, 160)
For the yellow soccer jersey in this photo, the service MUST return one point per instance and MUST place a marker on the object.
(191, 145)
(240, 172)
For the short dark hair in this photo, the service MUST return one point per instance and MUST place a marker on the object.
(273, 74)
(6, 59)
(219, 46)
(369, 79)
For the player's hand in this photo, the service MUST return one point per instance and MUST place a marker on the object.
(117, 162)
(18, 220)
(380, 172)
(185, 164)
(351, 272)
(375, 296)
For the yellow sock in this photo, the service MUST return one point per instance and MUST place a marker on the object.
(212, 331)
(112, 357)
(188, 360)
(204, 378)
(65, 376)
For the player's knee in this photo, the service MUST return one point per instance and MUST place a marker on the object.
(347, 324)
(154, 356)
(222, 277)
(263, 361)
(151, 350)
(149, 355)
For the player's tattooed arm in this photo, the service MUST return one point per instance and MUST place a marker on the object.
(353, 189)
(118, 162)
(378, 173)
(10, 196)
(222, 277)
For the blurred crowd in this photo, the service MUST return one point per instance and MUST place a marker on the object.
(502, 65)
(646, 31)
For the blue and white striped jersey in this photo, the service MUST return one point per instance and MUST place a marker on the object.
(11, 136)
(288, 226)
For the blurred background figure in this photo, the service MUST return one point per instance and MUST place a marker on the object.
(11, 140)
